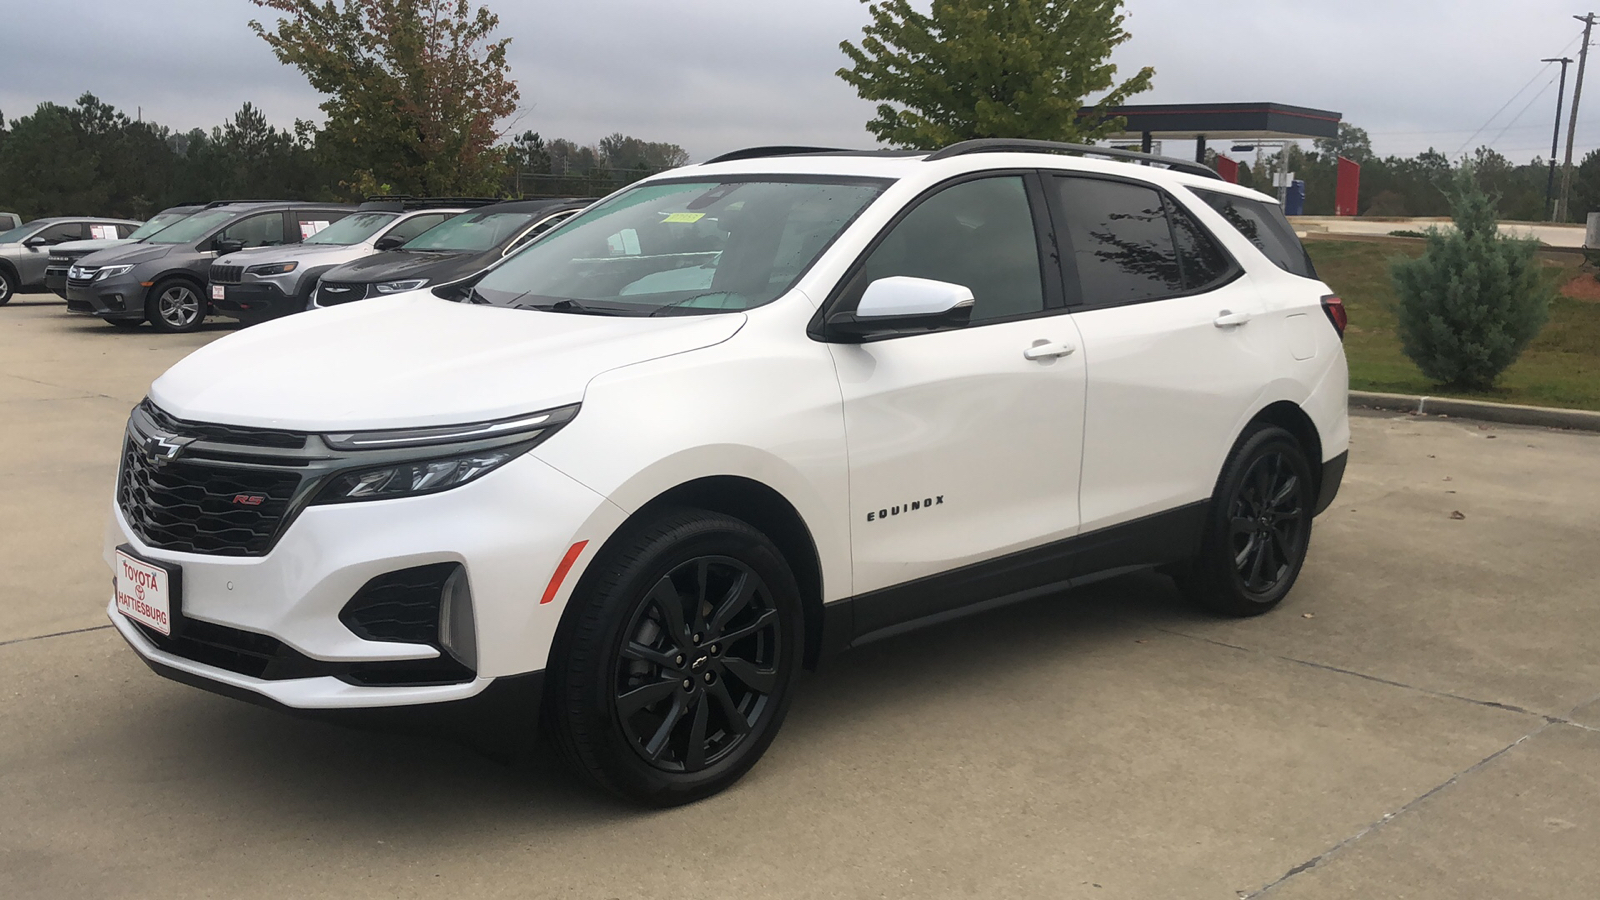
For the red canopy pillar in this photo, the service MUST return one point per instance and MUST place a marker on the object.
(1347, 196)
(1228, 169)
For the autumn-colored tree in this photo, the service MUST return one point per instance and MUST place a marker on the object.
(990, 69)
(416, 89)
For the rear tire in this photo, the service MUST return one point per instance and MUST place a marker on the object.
(676, 667)
(1257, 529)
(175, 306)
(8, 285)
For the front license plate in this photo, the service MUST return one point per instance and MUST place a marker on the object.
(145, 591)
(218, 292)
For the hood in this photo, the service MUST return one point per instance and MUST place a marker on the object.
(281, 253)
(412, 360)
(82, 248)
(393, 265)
(128, 254)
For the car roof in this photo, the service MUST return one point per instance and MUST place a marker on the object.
(51, 220)
(931, 167)
(544, 204)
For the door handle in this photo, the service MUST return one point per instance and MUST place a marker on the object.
(1228, 317)
(1048, 350)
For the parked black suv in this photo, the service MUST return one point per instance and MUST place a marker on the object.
(452, 251)
(162, 279)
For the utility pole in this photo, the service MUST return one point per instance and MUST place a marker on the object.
(1572, 124)
(1555, 139)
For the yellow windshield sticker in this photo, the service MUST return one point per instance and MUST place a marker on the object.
(684, 217)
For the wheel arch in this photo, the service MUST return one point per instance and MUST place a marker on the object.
(1289, 416)
(750, 501)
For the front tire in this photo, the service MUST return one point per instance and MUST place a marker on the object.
(676, 670)
(1257, 529)
(8, 285)
(175, 307)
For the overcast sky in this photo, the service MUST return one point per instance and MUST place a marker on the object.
(713, 75)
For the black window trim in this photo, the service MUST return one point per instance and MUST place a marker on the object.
(1049, 275)
(1072, 286)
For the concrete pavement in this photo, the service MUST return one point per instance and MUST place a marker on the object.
(1421, 718)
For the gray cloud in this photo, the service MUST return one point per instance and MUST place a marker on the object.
(717, 74)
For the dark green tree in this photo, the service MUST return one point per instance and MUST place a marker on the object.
(1474, 300)
(416, 89)
(990, 69)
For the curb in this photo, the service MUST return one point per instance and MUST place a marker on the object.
(1578, 419)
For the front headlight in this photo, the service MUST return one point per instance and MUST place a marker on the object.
(112, 272)
(413, 478)
(479, 448)
(272, 268)
(396, 287)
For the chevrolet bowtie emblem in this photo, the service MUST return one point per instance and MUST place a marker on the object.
(163, 447)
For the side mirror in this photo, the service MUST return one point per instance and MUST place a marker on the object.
(37, 240)
(903, 305)
(388, 243)
(225, 246)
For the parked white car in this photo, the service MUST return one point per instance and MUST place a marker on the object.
(730, 420)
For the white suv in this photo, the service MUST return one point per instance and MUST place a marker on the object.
(730, 420)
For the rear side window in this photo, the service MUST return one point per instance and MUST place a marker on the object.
(1131, 244)
(1264, 225)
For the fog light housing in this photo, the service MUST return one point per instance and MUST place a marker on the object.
(458, 629)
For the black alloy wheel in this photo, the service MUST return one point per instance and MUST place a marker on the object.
(676, 658)
(1258, 528)
(699, 665)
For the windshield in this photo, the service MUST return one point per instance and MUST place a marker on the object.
(471, 232)
(16, 235)
(161, 220)
(352, 229)
(691, 247)
(194, 227)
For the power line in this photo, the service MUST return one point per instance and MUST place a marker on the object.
(1519, 115)
(1545, 68)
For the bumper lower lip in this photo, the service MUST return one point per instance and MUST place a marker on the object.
(323, 692)
(101, 298)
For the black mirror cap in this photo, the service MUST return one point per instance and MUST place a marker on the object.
(849, 328)
(388, 243)
(224, 247)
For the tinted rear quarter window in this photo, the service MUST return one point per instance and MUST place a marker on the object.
(1264, 225)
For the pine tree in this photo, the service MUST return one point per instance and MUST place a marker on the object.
(1474, 300)
(990, 69)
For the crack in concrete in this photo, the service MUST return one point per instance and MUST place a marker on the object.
(40, 637)
(1322, 857)
(1327, 854)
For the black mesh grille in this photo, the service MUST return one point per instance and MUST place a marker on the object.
(199, 508)
(332, 293)
(227, 274)
(224, 434)
(399, 606)
(259, 656)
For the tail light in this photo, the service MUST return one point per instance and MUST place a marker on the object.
(1334, 307)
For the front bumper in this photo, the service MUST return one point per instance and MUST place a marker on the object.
(254, 301)
(509, 530)
(55, 280)
(115, 298)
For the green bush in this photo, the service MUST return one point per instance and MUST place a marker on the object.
(1474, 299)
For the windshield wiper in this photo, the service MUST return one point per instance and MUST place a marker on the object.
(681, 307)
(567, 306)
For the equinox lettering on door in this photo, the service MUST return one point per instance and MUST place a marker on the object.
(913, 506)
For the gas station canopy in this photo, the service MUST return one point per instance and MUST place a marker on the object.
(1222, 121)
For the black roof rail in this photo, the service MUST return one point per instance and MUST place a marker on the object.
(762, 152)
(1024, 145)
(407, 203)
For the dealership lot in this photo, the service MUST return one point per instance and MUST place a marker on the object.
(1420, 718)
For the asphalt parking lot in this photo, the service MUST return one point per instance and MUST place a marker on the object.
(1420, 719)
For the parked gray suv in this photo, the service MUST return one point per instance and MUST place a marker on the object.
(25, 250)
(162, 279)
(62, 256)
(268, 282)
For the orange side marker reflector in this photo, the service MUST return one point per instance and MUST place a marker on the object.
(561, 571)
